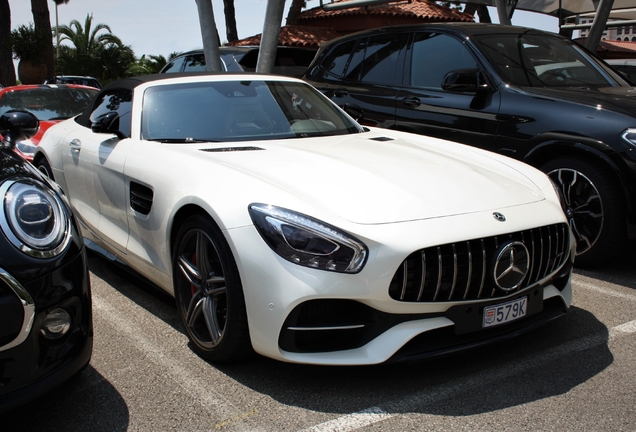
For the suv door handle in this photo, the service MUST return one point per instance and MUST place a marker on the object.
(340, 92)
(411, 101)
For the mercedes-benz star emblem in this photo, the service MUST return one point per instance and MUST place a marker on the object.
(500, 217)
(511, 266)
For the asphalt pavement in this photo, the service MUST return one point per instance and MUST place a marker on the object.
(576, 373)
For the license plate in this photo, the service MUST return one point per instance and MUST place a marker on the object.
(505, 312)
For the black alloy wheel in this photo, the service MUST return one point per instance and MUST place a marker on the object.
(593, 207)
(208, 292)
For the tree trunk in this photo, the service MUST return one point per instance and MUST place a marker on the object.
(230, 20)
(7, 70)
(294, 12)
(42, 21)
(209, 36)
(481, 10)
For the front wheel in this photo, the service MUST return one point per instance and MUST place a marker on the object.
(593, 206)
(208, 292)
(45, 168)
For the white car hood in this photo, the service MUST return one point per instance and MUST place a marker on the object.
(368, 180)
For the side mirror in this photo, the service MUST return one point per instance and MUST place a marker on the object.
(17, 125)
(464, 81)
(107, 123)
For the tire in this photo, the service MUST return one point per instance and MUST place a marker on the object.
(593, 206)
(45, 168)
(213, 311)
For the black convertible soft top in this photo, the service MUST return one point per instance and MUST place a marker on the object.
(132, 82)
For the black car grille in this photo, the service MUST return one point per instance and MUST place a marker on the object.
(464, 271)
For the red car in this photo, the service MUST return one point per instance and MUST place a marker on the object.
(50, 103)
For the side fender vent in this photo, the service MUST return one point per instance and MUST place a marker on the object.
(231, 149)
(140, 198)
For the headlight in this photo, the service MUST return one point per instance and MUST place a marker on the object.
(630, 136)
(33, 218)
(306, 241)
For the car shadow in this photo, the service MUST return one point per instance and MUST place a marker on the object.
(619, 271)
(85, 402)
(546, 362)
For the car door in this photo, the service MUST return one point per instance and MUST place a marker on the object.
(369, 73)
(422, 105)
(94, 164)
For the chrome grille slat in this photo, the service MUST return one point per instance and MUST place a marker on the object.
(470, 270)
(455, 271)
(452, 291)
(439, 273)
(423, 279)
(483, 268)
(405, 273)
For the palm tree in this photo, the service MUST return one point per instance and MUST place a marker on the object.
(147, 65)
(93, 51)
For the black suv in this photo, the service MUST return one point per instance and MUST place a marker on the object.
(289, 61)
(528, 94)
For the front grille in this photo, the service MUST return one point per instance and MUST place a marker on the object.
(464, 270)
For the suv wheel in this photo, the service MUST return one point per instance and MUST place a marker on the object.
(593, 206)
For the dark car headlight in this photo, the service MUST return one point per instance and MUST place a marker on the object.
(306, 241)
(33, 218)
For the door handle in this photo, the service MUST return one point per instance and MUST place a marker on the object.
(411, 101)
(75, 145)
(340, 92)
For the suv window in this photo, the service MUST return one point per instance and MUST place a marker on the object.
(195, 63)
(175, 65)
(119, 101)
(381, 59)
(434, 55)
(336, 61)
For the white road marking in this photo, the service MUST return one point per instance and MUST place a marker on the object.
(205, 395)
(609, 292)
(376, 414)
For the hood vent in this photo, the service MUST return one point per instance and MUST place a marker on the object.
(382, 138)
(231, 149)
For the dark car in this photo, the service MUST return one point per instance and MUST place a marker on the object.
(46, 333)
(528, 94)
(289, 61)
(74, 79)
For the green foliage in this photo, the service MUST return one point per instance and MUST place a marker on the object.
(147, 65)
(28, 45)
(93, 51)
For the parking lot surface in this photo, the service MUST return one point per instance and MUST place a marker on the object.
(576, 373)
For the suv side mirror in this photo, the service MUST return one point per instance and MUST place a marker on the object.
(464, 81)
(107, 123)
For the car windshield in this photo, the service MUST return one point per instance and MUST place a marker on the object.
(239, 111)
(543, 61)
(48, 103)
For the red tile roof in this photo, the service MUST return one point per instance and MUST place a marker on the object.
(301, 36)
(421, 9)
(612, 48)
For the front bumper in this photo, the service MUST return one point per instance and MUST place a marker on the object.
(37, 364)
(310, 316)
